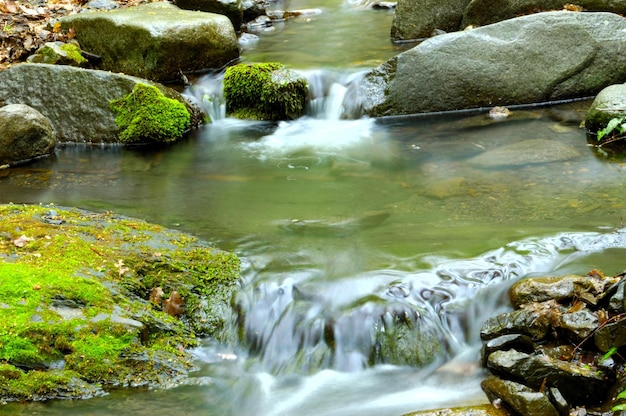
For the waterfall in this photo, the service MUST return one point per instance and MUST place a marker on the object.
(328, 98)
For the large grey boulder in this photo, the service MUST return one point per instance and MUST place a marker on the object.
(156, 41)
(484, 12)
(75, 100)
(26, 134)
(417, 19)
(535, 58)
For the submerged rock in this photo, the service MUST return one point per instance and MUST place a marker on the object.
(324, 228)
(528, 152)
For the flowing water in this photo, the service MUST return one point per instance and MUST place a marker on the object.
(344, 226)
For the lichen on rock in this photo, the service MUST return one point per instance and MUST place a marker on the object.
(146, 115)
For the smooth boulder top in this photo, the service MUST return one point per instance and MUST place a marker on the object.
(156, 41)
(158, 17)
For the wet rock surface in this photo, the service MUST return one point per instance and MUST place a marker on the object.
(26, 134)
(83, 115)
(560, 349)
(534, 58)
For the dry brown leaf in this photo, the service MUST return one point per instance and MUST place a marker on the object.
(156, 296)
(174, 305)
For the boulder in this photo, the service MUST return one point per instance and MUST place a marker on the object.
(536, 58)
(416, 19)
(230, 8)
(484, 12)
(157, 41)
(26, 134)
(76, 100)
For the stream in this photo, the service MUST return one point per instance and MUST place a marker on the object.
(344, 224)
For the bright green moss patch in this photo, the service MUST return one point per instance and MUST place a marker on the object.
(266, 91)
(75, 308)
(146, 115)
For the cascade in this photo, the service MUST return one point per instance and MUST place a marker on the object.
(328, 98)
(297, 320)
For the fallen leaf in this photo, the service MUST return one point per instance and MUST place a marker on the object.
(174, 305)
(156, 296)
(22, 241)
(8, 6)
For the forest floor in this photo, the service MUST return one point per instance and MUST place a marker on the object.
(27, 24)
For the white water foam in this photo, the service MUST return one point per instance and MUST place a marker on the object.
(313, 136)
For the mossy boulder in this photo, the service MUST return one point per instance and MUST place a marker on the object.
(76, 100)
(156, 41)
(264, 91)
(85, 302)
(146, 115)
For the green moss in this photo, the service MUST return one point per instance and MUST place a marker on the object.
(74, 289)
(266, 91)
(146, 115)
(73, 53)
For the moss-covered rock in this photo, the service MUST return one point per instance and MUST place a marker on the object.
(76, 311)
(265, 91)
(59, 53)
(146, 115)
(155, 41)
(85, 116)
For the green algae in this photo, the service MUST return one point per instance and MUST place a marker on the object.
(146, 115)
(74, 310)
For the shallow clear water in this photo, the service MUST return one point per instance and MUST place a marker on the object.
(338, 220)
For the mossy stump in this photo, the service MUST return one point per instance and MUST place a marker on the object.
(265, 91)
